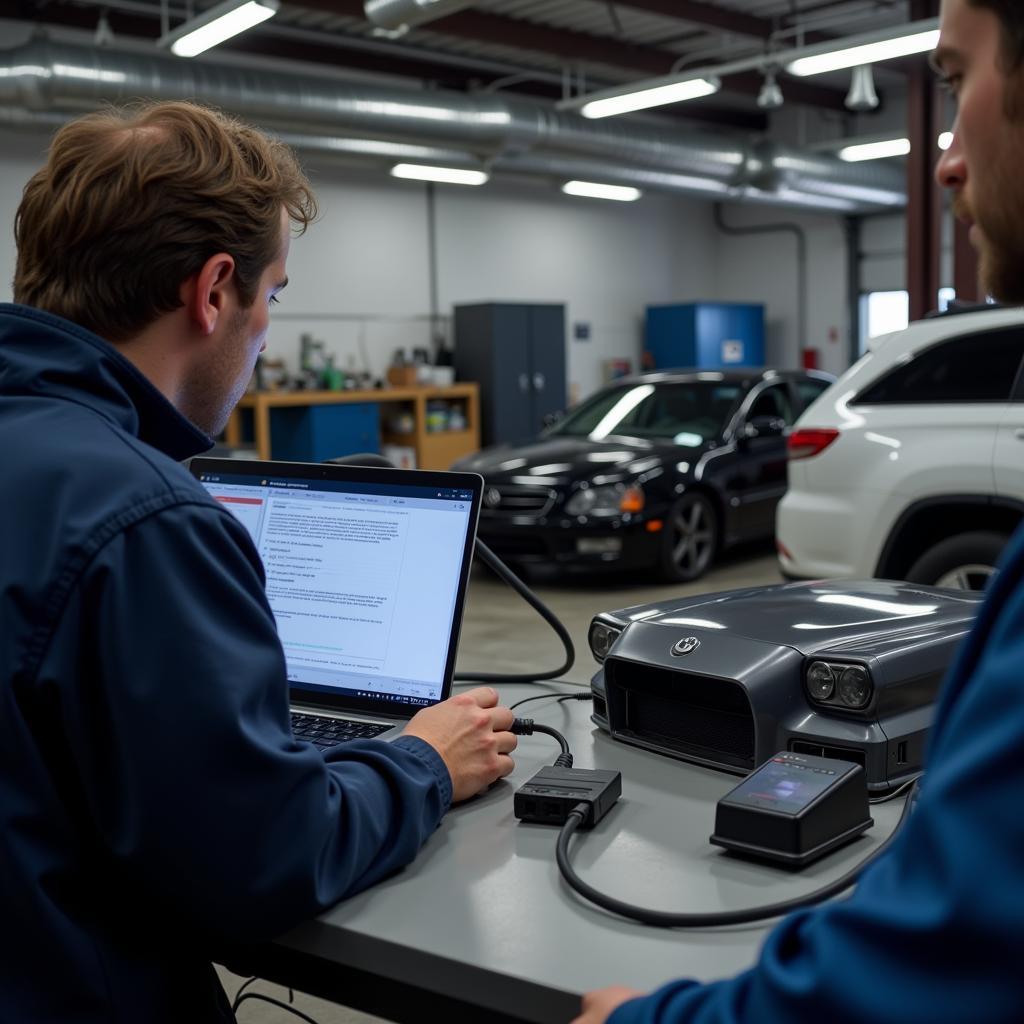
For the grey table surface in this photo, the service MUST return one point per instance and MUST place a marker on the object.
(483, 915)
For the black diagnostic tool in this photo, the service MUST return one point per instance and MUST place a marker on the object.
(794, 809)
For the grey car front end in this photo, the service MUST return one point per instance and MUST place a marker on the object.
(839, 668)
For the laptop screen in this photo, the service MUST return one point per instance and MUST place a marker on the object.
(366, 574)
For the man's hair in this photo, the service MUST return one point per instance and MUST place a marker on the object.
(1011, 17)
(132, 202)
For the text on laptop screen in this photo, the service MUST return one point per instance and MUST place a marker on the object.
(362, 578)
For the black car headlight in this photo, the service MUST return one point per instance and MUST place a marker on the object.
(608, 500)
(601, 637)
(839, 685)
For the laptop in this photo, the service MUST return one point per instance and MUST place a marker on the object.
(367, 570)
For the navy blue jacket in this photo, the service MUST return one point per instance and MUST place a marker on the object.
(934, 932)
(153, 803)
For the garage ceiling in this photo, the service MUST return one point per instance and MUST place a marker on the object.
(541, 48)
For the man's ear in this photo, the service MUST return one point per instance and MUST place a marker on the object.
(205, 295)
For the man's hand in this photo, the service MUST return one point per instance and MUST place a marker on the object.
(600, 1005)
(470, 732)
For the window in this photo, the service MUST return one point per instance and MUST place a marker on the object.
(974, 368)
(882, 313)
(885, 312)
(808, 390)
(773, 401)
(696, 409)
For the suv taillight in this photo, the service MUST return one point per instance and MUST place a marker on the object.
(803, 444)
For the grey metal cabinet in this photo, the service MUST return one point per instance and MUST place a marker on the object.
(516, 353)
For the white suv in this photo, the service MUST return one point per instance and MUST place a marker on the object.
(911, 466)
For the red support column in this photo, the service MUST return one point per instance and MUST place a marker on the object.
(924, 197)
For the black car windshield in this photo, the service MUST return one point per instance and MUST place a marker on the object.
(689, 414)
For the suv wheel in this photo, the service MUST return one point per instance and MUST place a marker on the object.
(690, 539)
(966, 561)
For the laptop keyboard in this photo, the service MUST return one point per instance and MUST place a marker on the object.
(324, 732)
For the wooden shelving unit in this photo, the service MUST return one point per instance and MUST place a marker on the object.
(434, 449)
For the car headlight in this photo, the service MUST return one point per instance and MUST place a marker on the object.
(610, 500)
(602, 636)
(821, 681)
(839, 685)
(854, 687)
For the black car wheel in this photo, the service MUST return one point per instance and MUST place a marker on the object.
(966, 561)
(690, 539)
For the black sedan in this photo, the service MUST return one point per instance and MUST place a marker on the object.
(663, 469)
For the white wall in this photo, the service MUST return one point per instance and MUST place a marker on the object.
(607, 261)
(360, 277)
(20, 157)
(763, 268)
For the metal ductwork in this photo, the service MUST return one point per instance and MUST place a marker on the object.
(501, 132)
(402, 15)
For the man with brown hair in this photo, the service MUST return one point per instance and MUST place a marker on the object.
(933, 932)
(153, 802)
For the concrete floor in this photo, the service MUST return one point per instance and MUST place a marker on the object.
(501, 633)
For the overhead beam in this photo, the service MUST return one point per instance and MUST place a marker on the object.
(146, 27)
(712, 16)
(407, 60)
(498, 30)
(567, 45)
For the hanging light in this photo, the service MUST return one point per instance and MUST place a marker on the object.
(664, 90)
(770, 96)
(217, 24)
(868, 49)
(882, 149)
(862, 95)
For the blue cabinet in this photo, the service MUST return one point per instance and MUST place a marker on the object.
(706, 335)
(313, 433)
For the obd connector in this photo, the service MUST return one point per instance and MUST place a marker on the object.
(553, 792)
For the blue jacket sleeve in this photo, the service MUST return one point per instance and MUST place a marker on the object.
(933, 933)
(179, 732)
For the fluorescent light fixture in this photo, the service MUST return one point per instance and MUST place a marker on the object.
(945, 140)
(448, 175)
(655, 96)
(595, 190)
(864, 53)
(875, 150)
(216, 25)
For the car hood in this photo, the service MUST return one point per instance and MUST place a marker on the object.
(562, 460)
(862, 618)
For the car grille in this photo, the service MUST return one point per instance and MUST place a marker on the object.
(689, 715)
(513, 500)
(517, 547)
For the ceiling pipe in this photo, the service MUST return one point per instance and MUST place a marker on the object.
(502, 131)
(544, 165)
(401, 15)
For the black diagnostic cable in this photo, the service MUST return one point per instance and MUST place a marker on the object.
(585, 695)
(274, 1002)
(490, 559)
(666, 919)
(893, 794)
(527, 727)
(238, 994)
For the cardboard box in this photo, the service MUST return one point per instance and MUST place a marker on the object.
(402, 376)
